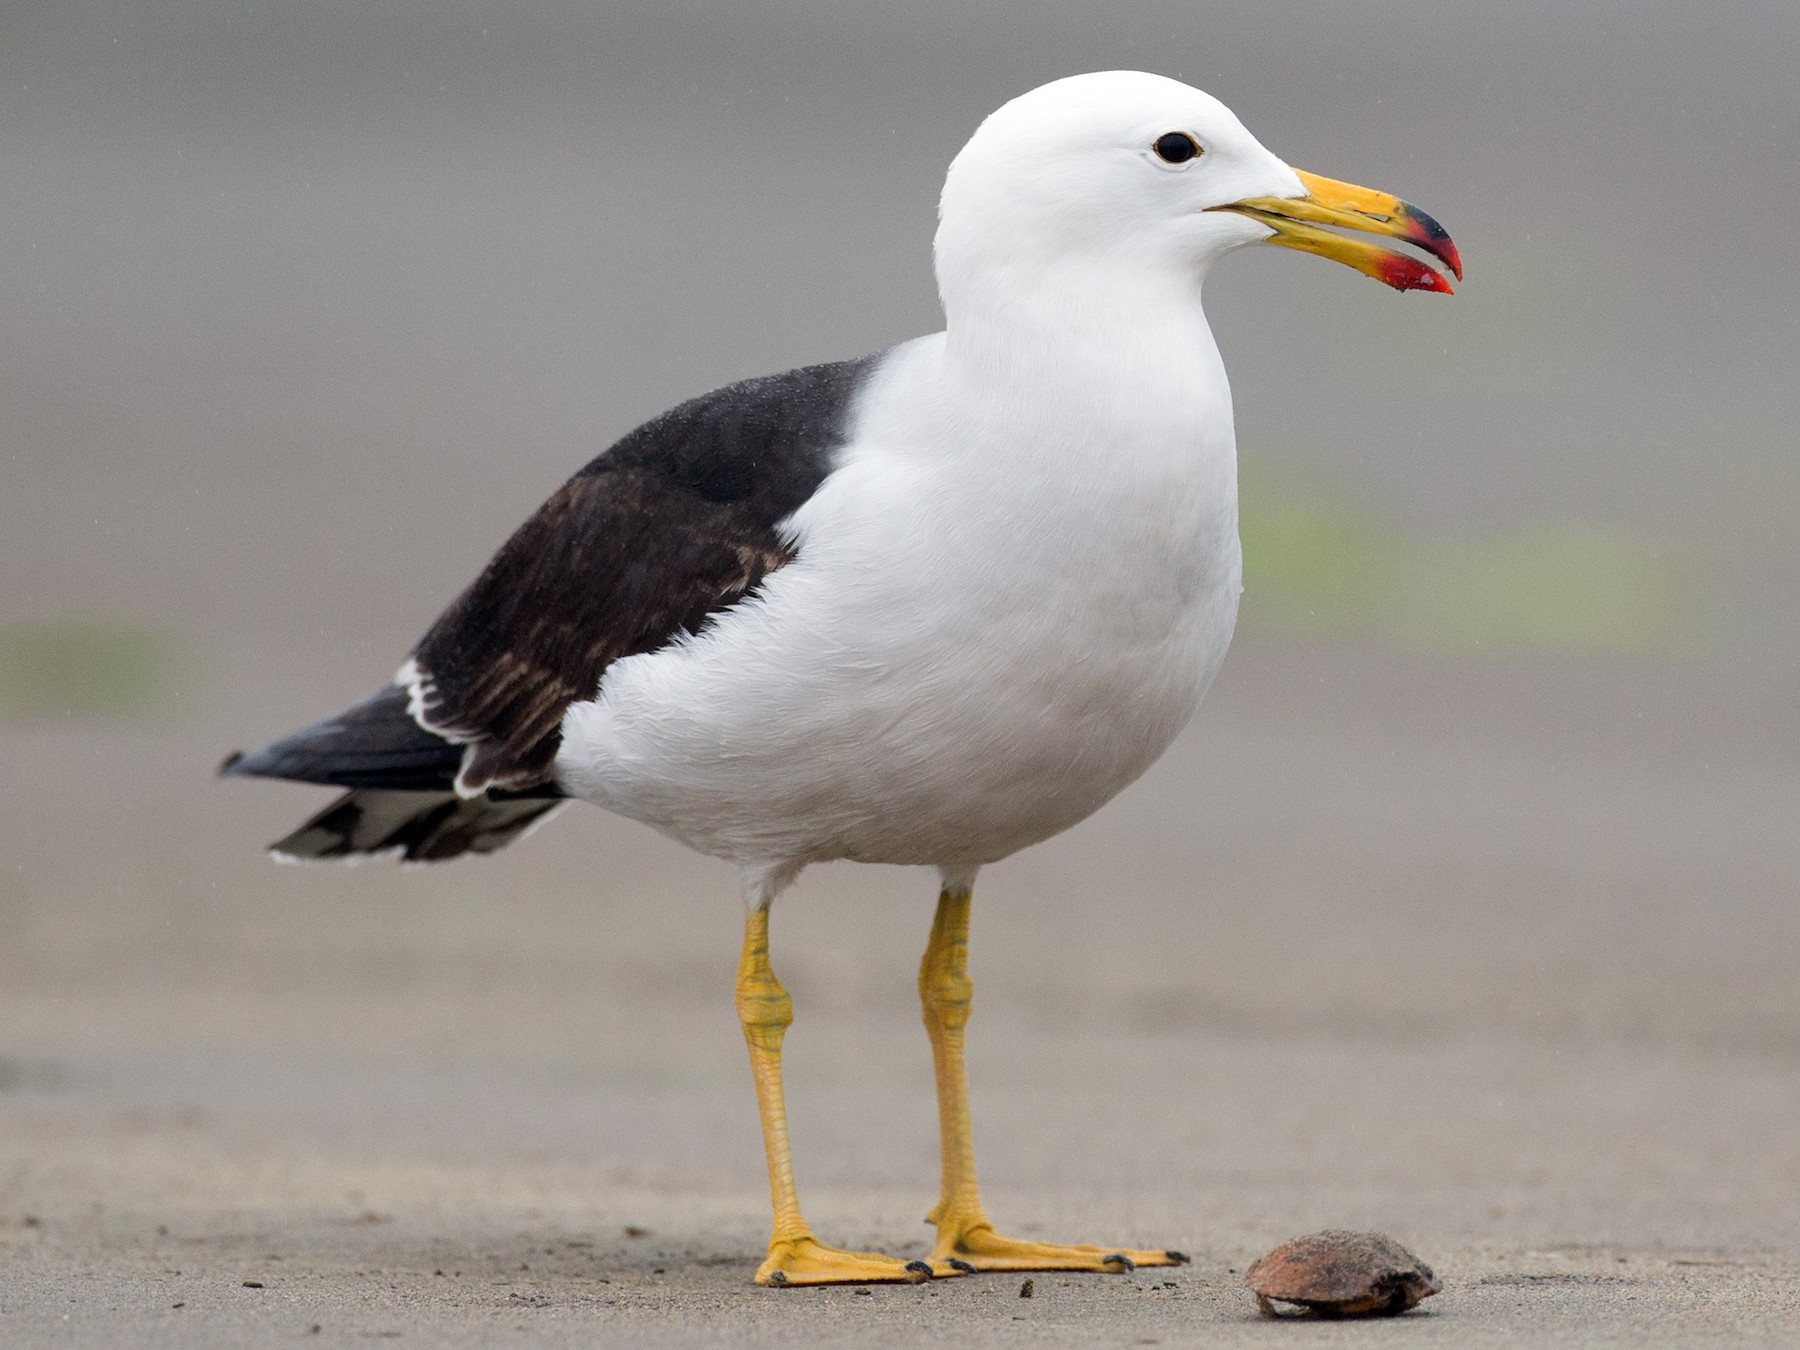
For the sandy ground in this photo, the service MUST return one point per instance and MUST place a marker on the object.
(1531, 1007)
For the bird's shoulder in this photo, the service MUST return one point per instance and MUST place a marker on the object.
(678, 520)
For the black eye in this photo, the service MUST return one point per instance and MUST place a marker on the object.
(1176, 148)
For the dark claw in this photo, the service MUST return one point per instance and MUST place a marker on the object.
(1123, 1263)
(964, 1266)
(777, 1278)
(919, 1268)
(1177, 1258)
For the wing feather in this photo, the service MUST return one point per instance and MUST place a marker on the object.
(678, 521)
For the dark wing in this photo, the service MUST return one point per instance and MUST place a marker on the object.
(402, 798)
(676, 522)
(372, 744)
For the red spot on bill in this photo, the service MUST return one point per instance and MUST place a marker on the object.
(1409, 274)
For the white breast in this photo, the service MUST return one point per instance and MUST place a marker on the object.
(1003, 609)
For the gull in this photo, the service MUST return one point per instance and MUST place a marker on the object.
(928, 607)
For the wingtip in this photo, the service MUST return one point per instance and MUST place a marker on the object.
(249, 764)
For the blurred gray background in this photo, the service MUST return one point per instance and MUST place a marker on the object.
(307, 305)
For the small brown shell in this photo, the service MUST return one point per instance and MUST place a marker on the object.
(1340, 1274)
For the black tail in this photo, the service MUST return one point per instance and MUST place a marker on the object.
(401, 799)
(414, 826)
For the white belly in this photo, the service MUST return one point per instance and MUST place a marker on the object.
(967, 657)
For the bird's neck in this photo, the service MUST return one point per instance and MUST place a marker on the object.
(1103, 357)
(1008, 320)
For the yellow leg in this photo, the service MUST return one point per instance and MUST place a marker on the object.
(966, 1240)
(795, 1256)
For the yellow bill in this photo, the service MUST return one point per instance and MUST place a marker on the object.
(1308, 223)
